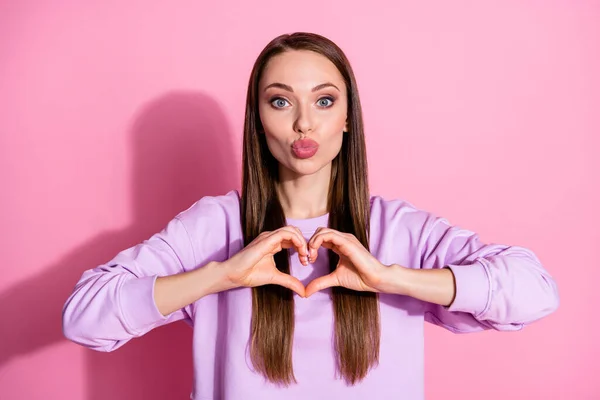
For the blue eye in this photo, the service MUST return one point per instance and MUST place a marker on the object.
(279, 102)
(325, 102)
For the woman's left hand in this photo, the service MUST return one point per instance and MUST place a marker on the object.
(357, 268)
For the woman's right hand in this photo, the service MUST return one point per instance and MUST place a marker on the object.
(255, 265)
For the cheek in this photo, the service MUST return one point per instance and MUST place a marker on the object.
(273, 122)
(331, 139)
(335, 134)
(264, 116)
(336, 118)
(335, 143)
(275, 145)
(334, 127)
(275, 137)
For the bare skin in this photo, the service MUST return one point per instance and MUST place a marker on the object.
(302, 95)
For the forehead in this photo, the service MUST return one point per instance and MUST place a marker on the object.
(301, 69)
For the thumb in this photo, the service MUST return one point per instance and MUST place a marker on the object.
(321, 283)
(289, 282)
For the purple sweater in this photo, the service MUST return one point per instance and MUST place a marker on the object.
(499, 287)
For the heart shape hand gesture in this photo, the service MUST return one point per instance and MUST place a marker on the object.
(357, 268)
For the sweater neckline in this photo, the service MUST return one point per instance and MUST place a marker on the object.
(309, 224)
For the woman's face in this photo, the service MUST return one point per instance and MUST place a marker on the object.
(303, 109)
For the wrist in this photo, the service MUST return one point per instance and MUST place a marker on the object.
(430, 285)
(396, 280)
(213, 278)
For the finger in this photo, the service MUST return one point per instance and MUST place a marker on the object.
(303, 250)
(289, 282)
(321, 283)
(298, 233)
(258, 238)
(313, 251)
(303, 255)
(287, 237)
(332, 240)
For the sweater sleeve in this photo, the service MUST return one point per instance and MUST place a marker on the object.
(497, 286)
(114, 302)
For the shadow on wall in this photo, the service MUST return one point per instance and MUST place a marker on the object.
(182, 151)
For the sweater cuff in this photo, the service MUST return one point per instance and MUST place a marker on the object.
(473, 288)
(137, 304)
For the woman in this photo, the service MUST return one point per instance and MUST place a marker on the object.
(305, 285)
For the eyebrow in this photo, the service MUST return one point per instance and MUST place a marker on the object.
(289, 88)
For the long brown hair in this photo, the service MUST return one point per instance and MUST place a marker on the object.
(357, 328)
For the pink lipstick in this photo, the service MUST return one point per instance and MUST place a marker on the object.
(305, 148)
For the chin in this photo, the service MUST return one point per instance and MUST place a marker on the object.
(307, 166)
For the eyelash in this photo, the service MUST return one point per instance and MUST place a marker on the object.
(331, 99)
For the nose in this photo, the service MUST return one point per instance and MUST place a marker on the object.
(304, 120)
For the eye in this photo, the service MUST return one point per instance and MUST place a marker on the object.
(279, 102)
(325, 102)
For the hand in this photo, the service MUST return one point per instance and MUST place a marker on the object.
(357, 268)
(255, 265)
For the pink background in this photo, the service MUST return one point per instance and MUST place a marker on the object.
(115, 117)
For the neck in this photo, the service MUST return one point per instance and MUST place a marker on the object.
(304, 196)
